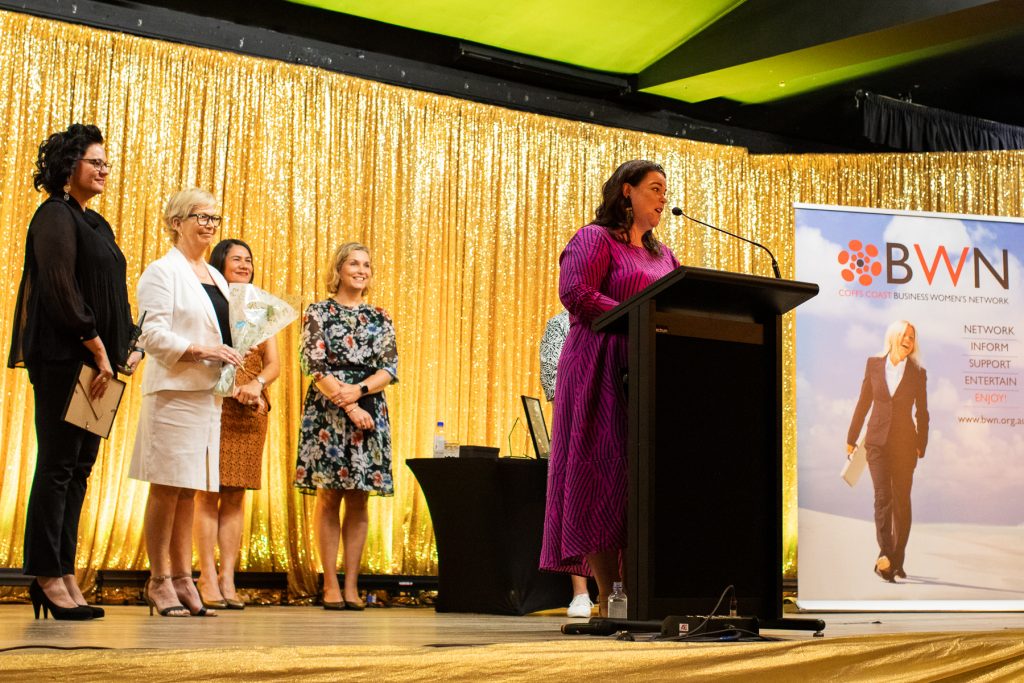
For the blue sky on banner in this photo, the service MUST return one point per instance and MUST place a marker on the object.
(958, 279)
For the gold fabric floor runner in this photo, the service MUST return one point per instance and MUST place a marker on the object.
(973, 656)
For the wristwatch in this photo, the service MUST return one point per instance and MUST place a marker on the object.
(363, 389)
(263, 382)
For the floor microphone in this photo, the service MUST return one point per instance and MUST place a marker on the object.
(603, 626)
(588, 629)
(676, 211)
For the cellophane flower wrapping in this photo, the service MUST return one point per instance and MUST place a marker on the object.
(255, 316)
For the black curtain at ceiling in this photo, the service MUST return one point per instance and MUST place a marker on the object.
(913, 128)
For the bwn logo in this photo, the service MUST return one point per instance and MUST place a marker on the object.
(861, 264)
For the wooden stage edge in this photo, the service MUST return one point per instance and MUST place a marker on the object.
(408, 643)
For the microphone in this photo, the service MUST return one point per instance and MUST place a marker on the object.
(133, 339)
(676, 211)
(588, 629)
(603, 626)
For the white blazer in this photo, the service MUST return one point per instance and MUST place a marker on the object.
(178, 313)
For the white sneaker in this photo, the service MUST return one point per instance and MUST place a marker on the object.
(580, 607)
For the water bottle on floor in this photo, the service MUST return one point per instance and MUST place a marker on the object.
(617, 602)
(439, 440)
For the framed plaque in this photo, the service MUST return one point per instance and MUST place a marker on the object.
(538, 427)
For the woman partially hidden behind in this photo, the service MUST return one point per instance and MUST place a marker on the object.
(243, 431)
(72, 308)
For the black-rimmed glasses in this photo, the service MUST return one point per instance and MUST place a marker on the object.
(99, 164)
(205, 219)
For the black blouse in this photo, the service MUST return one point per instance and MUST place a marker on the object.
(220, 307)
(73, 288)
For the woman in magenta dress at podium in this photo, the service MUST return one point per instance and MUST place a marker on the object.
(603, 264)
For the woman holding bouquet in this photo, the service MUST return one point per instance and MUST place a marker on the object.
(349, 348)
(177, 444)
(243, 431)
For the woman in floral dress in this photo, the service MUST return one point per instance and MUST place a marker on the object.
(349, 349)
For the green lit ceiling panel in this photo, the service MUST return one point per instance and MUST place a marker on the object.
(800, 71)
(791, 74)
(622, 37)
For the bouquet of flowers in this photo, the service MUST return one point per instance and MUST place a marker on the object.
(255, 317)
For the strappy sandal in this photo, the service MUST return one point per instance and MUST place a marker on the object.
(203, 611)
(169, 611)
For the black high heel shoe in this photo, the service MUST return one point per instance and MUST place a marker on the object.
(97, 612)
(40, 599)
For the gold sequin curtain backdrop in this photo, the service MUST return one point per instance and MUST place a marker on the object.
(465, 207)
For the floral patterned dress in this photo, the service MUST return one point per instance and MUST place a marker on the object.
(350, 343)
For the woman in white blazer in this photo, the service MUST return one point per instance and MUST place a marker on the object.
(187, 336)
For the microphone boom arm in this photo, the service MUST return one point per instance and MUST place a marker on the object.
(676, 211)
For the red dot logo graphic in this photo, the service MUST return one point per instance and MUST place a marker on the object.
(860, 263)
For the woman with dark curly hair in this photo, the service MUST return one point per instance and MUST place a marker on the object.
(604, 264)
(72, 308)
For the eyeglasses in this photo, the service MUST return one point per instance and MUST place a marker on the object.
(99, 164)
(204, 219)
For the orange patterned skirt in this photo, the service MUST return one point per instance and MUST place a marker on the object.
(243, 431)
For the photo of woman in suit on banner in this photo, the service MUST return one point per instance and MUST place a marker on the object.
(895, 390)
(940, 531)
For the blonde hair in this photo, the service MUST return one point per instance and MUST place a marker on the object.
(340, 255)
(180, 205)
(893, 333)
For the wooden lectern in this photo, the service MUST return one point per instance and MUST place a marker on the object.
(705, 442)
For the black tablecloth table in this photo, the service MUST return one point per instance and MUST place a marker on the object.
(488, 516)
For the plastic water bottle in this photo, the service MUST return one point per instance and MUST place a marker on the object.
(439, 440)
(617, 602)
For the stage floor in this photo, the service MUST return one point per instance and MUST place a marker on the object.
(309, 643)
(132, 627)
